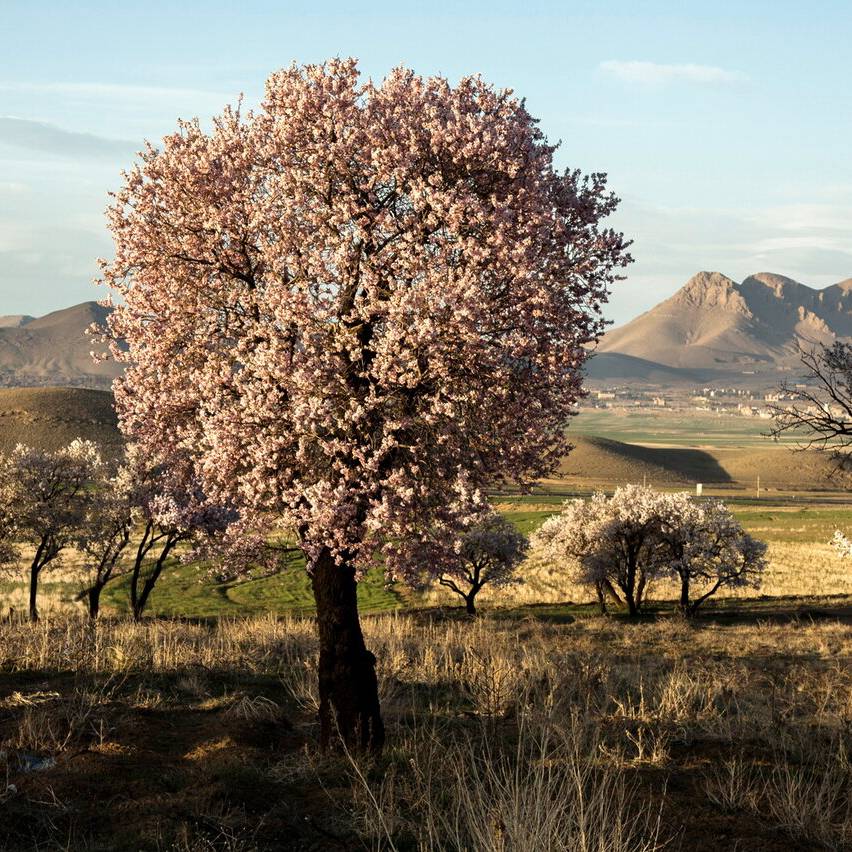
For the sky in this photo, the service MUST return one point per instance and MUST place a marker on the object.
(724, 127)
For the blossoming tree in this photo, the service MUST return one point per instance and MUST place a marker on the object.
(48, 493)
(706, 549)
(622, 543)
(489, 552)
(354, 308)
(104, 535)
(614, 541)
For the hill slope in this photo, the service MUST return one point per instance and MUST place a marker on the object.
(605, 462)
(53, 349)
(53, 417)
(715, 324)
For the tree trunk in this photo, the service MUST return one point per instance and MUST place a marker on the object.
(139, 599)
(94, 597)
(34, 571)
(599, 588)
(684, 594)
(469, 605)
(348, 688)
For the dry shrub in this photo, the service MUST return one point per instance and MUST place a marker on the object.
(544, 788)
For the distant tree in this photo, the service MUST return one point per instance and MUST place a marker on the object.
(623, 542)
(615, 541)
(706, 549)
(48, 494)
(842, 545)
(105, 533)
(820, 416)
(168, 508)
(354, 308)
(490, 551)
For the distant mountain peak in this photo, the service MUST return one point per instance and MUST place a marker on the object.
(715, 324)
(711, 289)
(54, 349)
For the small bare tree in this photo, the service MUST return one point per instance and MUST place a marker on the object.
(490, 552)
(820, 416)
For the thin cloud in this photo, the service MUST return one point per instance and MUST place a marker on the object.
(655, 73)
(111, 90)
(41, 136)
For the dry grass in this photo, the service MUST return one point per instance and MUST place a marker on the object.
(504, 734)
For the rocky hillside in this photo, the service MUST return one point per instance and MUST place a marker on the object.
(714, 326)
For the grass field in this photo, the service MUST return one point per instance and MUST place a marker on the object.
(802, 563)
(674, 428)
(535, 730)
(538, 726)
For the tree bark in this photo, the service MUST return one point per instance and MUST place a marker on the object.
(599, 588)
(34, 571)
(469, 605)
(94, 597)
(684, 594)
(348, 687)
(35, 568)
(139, 599)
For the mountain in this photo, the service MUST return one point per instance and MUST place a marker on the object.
(54, 349)
(15, 320)
(721, 329)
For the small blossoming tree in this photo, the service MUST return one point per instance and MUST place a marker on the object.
(621, 543)
(489, 553)
(614, 541)
(169, 509)
(354, 309)
(104, 535)
(48, 494)
(706, 549)
(841, 544)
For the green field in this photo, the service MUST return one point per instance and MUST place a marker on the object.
(188, 590)
(677, 428)
(795, 530)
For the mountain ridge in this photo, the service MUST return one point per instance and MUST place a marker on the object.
(717, 325)
(54, 349)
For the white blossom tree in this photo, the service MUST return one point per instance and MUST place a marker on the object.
(105, 533)
(841, 544)
(352, 308)
(169, 508)
(613, 540)
(48, 494)
(489, 553)
(706, 549)
(622, 543)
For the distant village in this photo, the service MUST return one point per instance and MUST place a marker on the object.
(735, 402)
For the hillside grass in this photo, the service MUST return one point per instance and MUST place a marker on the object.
(52, 417)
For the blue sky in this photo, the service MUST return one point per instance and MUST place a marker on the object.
(725, 127)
